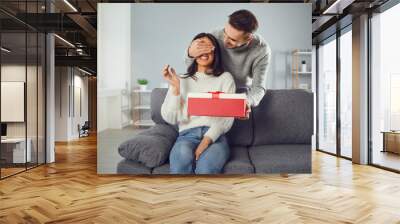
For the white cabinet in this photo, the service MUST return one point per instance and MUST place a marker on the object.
(16, 147)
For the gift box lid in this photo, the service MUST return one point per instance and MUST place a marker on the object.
(220, 95)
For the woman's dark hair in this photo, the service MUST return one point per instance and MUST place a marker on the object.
(217, 67)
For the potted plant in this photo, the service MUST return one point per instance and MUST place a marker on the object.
(143, 84)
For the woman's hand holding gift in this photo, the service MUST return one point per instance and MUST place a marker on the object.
(172, 78)
(248, 111)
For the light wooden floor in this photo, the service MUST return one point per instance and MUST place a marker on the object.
(387, 159)
(10, 171)
(70, 191)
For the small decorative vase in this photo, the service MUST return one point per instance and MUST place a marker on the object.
(303, 66)
(143, 87)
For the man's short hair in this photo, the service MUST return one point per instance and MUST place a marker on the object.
(244, 20)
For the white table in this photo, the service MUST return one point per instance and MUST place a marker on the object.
(18, 149)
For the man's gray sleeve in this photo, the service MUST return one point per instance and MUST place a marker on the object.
(259, 84)
(188, 60)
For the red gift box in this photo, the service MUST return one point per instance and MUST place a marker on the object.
(217, 104)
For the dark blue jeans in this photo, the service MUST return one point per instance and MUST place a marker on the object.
(182, 159)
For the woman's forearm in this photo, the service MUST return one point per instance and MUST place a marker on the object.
(218, 127)
(171, 107)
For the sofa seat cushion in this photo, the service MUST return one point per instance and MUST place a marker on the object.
(239, 162)
(126, 166)
(295, 158)
(150, 147)
(163, 169)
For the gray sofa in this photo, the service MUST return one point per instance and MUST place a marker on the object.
(276, 138)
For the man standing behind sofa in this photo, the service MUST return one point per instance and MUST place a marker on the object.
(245, 54)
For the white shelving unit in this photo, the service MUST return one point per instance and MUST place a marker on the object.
(141, 91)
(301, 77)
(141, 107)
(125, 108)
(304, 73)
(144, 123)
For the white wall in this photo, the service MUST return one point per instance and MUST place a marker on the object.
(113, 62)
(162, 32)
(61, 103)
(67, 79)
(80, 82)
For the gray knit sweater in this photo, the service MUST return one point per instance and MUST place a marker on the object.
(248, 63)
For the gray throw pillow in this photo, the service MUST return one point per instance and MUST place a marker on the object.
(150, 147)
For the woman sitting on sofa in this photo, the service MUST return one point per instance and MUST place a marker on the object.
(201, 146)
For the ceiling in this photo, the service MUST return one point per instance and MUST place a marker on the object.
(76, 21)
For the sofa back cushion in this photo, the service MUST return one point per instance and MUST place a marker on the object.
(157, 99)
(241, 133)
(284, 117)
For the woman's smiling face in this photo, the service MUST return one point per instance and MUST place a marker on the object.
(206, 60)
